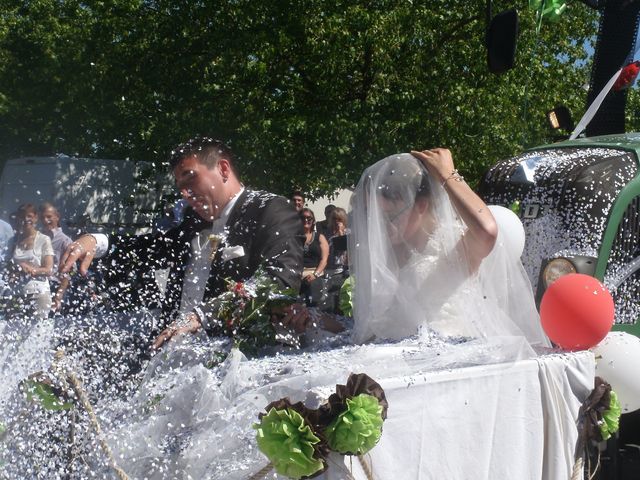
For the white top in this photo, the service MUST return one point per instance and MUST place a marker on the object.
(41, 248)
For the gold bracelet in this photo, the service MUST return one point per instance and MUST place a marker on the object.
(455, 175)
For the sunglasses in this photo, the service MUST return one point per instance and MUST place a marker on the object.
(308, 219)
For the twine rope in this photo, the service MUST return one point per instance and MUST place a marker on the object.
(366, 467)
(262, 473)
(76, 385)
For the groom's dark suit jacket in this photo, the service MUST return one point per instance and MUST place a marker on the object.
(266, 226)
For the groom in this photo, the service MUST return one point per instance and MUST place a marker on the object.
(228, 233)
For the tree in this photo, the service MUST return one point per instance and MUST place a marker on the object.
(308, 92)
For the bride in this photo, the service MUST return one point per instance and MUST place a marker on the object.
(427, 257)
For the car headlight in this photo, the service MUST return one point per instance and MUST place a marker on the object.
(555, 269)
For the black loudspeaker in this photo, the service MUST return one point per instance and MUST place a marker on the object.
(502, 35)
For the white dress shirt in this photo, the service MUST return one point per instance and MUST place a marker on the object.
(199, 266)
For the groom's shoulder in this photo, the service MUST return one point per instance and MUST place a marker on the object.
(260, 201)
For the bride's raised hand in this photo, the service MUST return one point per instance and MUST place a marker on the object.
(482, 230)
(438, 161)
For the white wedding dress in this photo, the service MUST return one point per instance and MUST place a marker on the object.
(442, 307)
(401, 290)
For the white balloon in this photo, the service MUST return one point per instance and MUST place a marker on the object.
(510, 230)
(617, 361)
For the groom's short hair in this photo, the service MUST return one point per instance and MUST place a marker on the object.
(207, 150)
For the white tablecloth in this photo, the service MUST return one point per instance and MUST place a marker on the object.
(507, 421)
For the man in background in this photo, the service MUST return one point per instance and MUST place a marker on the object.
(323, 226)
(6, 234)
(50, 220)
(298, 200)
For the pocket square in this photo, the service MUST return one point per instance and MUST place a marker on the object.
(230, 253)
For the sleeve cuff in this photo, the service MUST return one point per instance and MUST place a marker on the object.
(102, 244)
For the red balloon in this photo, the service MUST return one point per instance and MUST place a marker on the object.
(576, 311)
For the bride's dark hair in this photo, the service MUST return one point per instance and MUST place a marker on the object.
(398, 174)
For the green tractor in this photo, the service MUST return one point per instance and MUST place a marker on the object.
(579, 202)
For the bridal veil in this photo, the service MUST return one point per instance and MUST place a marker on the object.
(404, 287)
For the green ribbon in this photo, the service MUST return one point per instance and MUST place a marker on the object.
(357, 429)
(547, 10)
(288, 442)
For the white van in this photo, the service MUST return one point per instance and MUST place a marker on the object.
(91, 194)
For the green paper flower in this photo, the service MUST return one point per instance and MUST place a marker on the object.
(44, 394)
(611, 417)
(346, 297)
(288, 442)
(358, 428)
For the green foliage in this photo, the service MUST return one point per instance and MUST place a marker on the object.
(244, 312)
(632, 111)
(152, 403)
(309, 92)
(215, 359)
(346, 296)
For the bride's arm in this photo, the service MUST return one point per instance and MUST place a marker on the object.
(482, 230)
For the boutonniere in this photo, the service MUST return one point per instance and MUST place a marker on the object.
(215, 241)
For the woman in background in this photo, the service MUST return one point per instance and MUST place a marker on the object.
(32, 264)
(26, 335)
(316, 254)
(338, 265)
